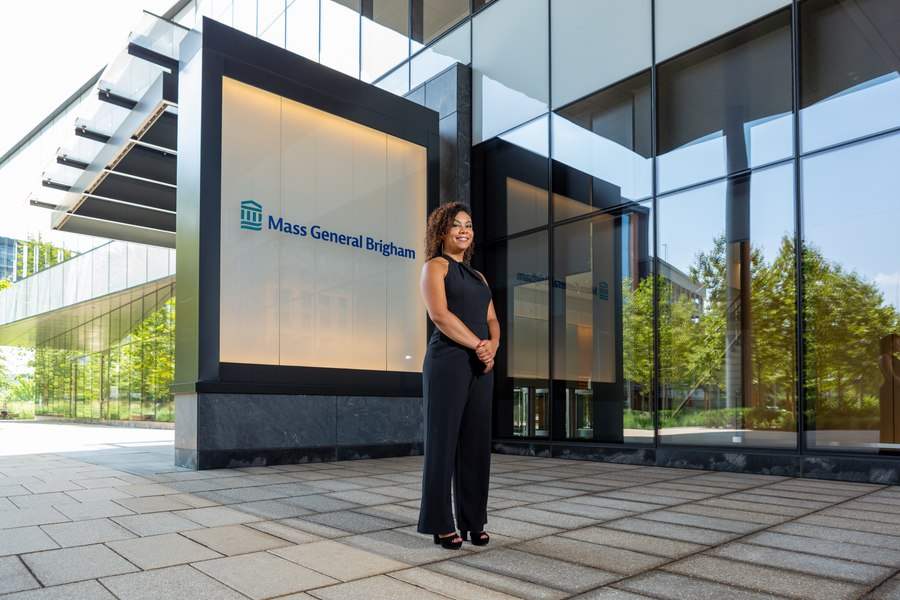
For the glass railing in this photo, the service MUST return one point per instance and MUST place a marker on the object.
(107, 269)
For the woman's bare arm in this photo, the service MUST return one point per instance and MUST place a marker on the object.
(487, 350)
(435, 297)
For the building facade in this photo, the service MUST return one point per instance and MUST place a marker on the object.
(662, 192)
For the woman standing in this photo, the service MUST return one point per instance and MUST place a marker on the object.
(458, 381)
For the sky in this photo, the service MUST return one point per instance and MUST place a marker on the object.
(52, 47)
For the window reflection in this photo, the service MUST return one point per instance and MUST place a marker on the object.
(510, 66)
(385, 25)
(603, 328)
(268, 11)
(607, 136)
(276, 32)
(340, 37)
(245, 16)
(852, 295)
(456, 47)
(727, 312)
(518, 273)
(516, 182)
(726, 106)
(431, 18)
(849, 79)
(302, 35)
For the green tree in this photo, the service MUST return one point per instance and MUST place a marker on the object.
(845, 319)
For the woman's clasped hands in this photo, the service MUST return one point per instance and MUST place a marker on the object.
(485, 351)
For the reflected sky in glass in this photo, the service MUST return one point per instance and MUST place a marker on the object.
(397, 82)
(851, 210)
(383, 49)
(867, 108)
(303, 28)
(602, 158)
(454, 48)
(340, 38)
(533, 136)
(690, 220)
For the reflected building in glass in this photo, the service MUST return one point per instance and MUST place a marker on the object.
(687, 212)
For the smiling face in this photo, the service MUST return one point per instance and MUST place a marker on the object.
(460, 235)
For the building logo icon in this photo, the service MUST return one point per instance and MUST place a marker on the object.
(251, 215)
(603, 291)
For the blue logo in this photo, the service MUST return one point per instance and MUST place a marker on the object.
(251, 215)
(603, 291)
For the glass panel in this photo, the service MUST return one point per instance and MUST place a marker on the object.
(510, 60)
(516, 182)
(584, 32)
(157, 263)
(384, 38)
(682, 24)
(303, 28)
(118, 269)
(852, 296)
(100, 259)
(454, 48)
(268, 11)
(533, 136)
(340, 38)
(226, 15)
(431, 18)
(727, 312)
(849, 70)
(603, 327)
(397, 82)
(275, 34)
(606, 137)
(518, 272)
(137, 265)
(726, 106)
(245, 16)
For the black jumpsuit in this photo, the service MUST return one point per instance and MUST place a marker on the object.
(457, 413)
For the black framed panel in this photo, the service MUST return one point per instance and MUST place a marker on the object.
(224, 52)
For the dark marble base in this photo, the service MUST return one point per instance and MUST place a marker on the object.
(626, 456)
(380, 451)
(215, 431)
(542, 449)
(232, 459)
(858, 469)
(785, 465)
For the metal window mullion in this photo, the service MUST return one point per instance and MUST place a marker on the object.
(799, 330)
(654, 109)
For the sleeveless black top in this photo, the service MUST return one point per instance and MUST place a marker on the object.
(468, 297)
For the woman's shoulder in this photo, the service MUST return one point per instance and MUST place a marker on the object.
(437, 265)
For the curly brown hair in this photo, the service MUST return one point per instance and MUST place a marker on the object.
(440, 221)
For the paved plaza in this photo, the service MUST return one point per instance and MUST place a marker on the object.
(94, 521)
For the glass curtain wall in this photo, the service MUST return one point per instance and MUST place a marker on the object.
(129, 382)
(368, 39)
(679, 272)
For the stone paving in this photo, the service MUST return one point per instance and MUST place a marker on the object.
(560, 529)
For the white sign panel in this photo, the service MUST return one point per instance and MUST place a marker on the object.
(323, 222)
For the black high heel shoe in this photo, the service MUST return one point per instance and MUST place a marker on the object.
(479, 538)
(451, 542)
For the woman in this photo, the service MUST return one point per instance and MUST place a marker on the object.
(458, 381)
(889, 393)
